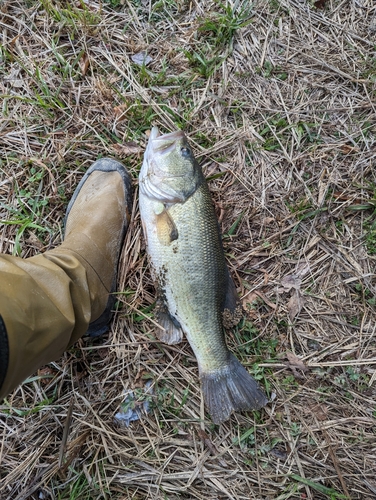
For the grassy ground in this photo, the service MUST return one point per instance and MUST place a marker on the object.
(278, 100)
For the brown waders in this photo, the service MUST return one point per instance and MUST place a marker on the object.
(49, 301)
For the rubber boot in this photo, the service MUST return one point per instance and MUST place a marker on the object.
(49, 301)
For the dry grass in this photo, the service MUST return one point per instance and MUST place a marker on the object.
(278, 100)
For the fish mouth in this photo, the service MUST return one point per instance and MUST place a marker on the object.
(163, 144)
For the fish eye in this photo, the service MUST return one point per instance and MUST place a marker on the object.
(185, 151)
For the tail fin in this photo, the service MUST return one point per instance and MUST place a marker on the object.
(230, 389)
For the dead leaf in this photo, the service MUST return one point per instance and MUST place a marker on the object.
(279, 452)
(13, 79)
(139, 380)
(82, 4)
(84, 63)
(295, 304)
(347, 149)
(46, 373)
(34, 240)
(247, 303)
(266, 275)
(295, 363)
(303, 269)
(141, 58)
(249, 298)
(266, 300)
(126, 148)
(103, 353)
(119, 110)
(290, 281)
(320, 411)
(338, 195)
(320, 4)
(268, 220)
(209, 444)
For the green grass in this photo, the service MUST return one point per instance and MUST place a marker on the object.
(77, 487)
(165, 400)
(369, 228)
(39, 407)
(278, 132)
(330, 493)
(28, 211)
(365, 295)
(215, 33)
(268, 70)
(220, 27)
(72, 17)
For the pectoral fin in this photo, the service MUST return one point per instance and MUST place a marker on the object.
(170, 331)
(166, 229)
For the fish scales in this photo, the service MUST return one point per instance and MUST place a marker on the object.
(193, 282)
(191, 272)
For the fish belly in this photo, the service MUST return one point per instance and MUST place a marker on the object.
(191, 272)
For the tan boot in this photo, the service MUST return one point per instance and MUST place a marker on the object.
(49, 301)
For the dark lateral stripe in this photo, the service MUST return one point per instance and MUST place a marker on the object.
(4, 351)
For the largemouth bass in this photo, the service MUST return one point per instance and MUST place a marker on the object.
(192, 279)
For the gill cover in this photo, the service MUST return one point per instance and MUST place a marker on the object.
(169, 173)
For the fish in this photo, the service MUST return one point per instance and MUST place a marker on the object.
(195, 292)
